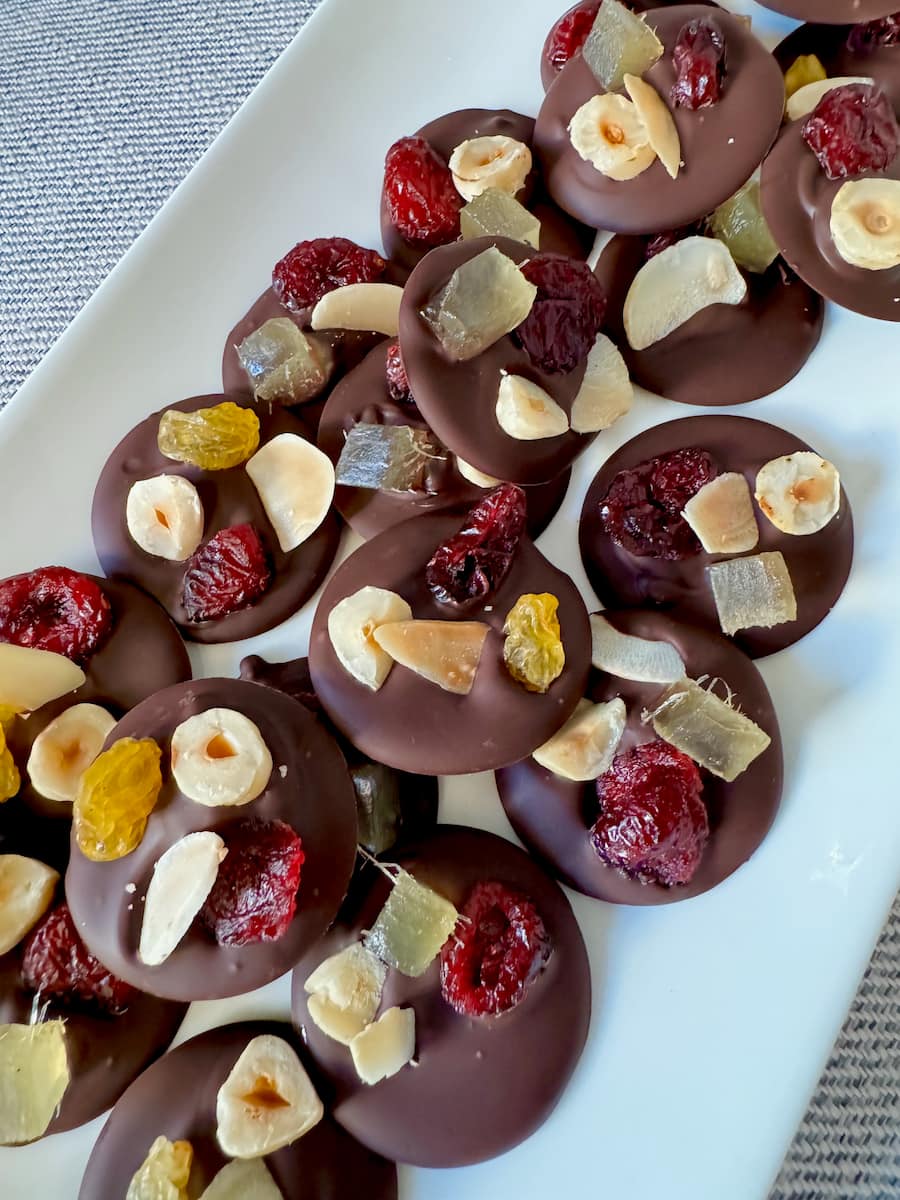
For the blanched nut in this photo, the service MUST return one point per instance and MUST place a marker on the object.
(721, 514)
(586, 745)
(220, 758)
(629, 657)
(662, 134)
(474, 476)
(443, 652)
(386, 1046)
(373, 307)
(352, 625)
(295, 482)
(31, 678)
(606, 392)
(800, 493)
(805, 99)
(267, 1101)
(490, 162)
(526, 412)
(243, 1179)
(182, 879)
(64, 750)
(345, 991)
(865, 223)
(609, 133)
(164, 516)
(26, 891)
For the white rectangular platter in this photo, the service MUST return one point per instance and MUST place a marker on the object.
(712, 1018)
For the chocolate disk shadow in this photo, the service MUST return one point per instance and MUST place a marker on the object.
(797, 197)
(560, 234)
(459, 399)
(721, 144)
(819, 563)
(832, 12)
(229, 498)
(829, 44)
(176, 1099)
(417, 726)
(554, 816)
(363, 396)
(476, 1090)
(309, 789)
(725, 354)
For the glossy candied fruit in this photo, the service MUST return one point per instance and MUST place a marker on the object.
(10, 780)
(494, 213)
(214, 439)
(742, 226)
(619, 43)
(395, 375)
(711, 731)
(852, 129)
(421, 197)
(474, 562)
(116, 796)
(699, 57)
(55, 609)
(386, 458)
(533, 649)
(567, 313)
(284, 366)
(58, 966)
(229, 572)
(874, 35)
(755, 592)
(34, 1068)
(379, 813)
(411, 927)
(570, 33)
(312, 269)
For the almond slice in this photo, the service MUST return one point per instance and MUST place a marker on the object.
(721, 514)
(31, 678)
(443, 652)
(371, 307)
(629, 657)
(386, 1046)
(586, 745)
(606, 392)
(526, 412)
(295, 482)
(662, 134)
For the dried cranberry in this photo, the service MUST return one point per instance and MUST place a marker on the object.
(489, 961)
(312, 269)
(873, 35)
(653, 823)
(397, 380)
(567, 312)
(57, 964)
(699, 59)
(229, 572)
(422, 200)
(54, 609)
(473, 563)
(254, 897)
(642, 508)
(570, 33)
(852, 129)
(663, 241)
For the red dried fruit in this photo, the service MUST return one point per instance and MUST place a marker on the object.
(312, 269)
(662, 241)
(474, 562)
(699, 60)
(229, 572)
(642, 509)
(56, 963)
(873, 35)
(489, 961)
(397, 380)
(852, 129)
(422, 200)
(653, 823)
(254, 897)
(570, 32)
(566, 315)
(54, 609)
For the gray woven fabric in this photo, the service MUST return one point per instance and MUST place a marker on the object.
(106, 105)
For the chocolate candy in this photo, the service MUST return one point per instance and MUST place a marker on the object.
(829, 44)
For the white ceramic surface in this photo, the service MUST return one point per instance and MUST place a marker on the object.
(712, 1018)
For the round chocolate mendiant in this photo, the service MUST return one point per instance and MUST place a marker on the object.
(818, 563)
(726, 354)
(229, 498)
(309, 789)
(459, 399)
(176, 1099)
(559, 233)
(363, 396)
(554, 816)
(475, 1092)
(721, 144)
(832, 12)
(797, 197)
(834, 46)
(415, 725)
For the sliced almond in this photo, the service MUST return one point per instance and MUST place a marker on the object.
(865, 223)
(351, 627)
(34, 1075)
(474, 476)
(606, 392)
(220, 758)
(385, 1047)
(629, 657)
(715, 734)
(243, 1179)
(31, 678)
(800, 493)
(267, 1101)
(805, 99)
(182, 879)
(662, 135)
(526, 412)
(443, 652)
(721, 514)
(490, 162)
(295, 482)
(371, 307)
(27, 887)
(753, 593)
(345, 992)
(608, 132)
(64, 750)
(586, 745)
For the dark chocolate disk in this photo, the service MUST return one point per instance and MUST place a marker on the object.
(309, 789)
(829, 44)
(229, 498)
(726, 354)
(482, 1085)
(176, 1099)
(459, 399)
(415, 725)
(554, 816)
(364, 396)
(418, 794)
(819, 563)
(796, 197)
(721, 145)
(559, 233)
(832, 12)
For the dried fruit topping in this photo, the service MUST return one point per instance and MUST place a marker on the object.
(57, 964)
(228, 573)
(699, 60)
(805, 69)
(117, 794)
(619, 44)
(395, 374)
(753, 593)
(295, 482)
(533, 649)
(214, 438)
(873, 35)
(447, 653)
(653, 824)
(412, 927)
(386, 458)
(496, 952)
(283, 364)
(311, 269)
(566, 315)
(494, 213)
(164, 1173)
(54, 609)
(26, 892)
(254, 897)
(379, 813)
(473, 563)
(741, 225)
(181, 881)
(10, 779)
(421, 198)
(34, 1067)
(642, 509)
(852, 129)
(712, 731)
(570, 33)
(267, 1101)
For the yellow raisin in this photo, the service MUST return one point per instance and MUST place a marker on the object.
(8, 715)
(213, 439)
(803, 70)
(10, 780)
(164, 1173)
(533, 650)
(117, 794)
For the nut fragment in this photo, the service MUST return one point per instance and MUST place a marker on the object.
(443, 652)
(662, 135)
(526, 412)
(716, 735)
(474, 476)
(800, 493)
(182, 879)
(630, 657)
(64, 750)
(31, 678)
(805, 99)
(26, 890)
(607, 131)
(243, 1179)
(164, 516)
(721, 514)
(267, 1101)
(371, 307)
(386, 1046)
(865, 223)
(345, 991)
(34, 1074)
(295, 482)
(586, 745)
(490, 162)
(351, 627)
(753, 593)
(220, 758)
(606, 393)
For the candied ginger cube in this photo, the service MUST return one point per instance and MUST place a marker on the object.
(741, 225)
(386, 458)
(495, 213)
(283, 364)
(710, 731)
(378, 810)
(412, 927)
(754, 592)
(619, 44)
(34, 1074)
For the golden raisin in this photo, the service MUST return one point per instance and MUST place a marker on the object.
(117, 794)
(533, 650)
(10, 780)
(7, 717)
(807, 68)
(213, 439)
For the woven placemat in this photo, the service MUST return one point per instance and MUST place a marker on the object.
(105, 105)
